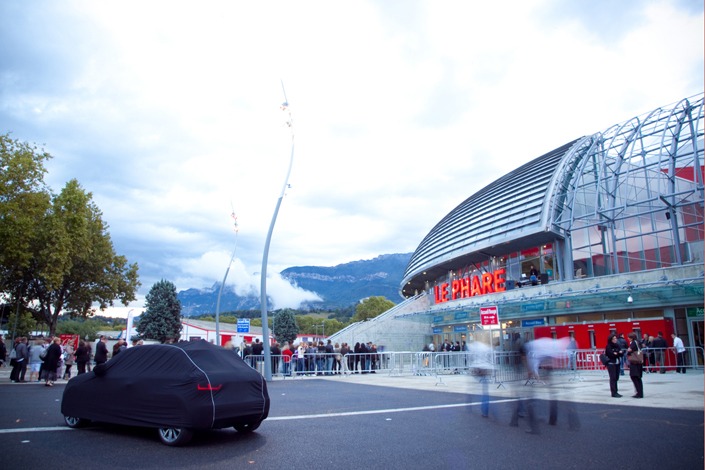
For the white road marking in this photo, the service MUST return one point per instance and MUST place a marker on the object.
(289, 418)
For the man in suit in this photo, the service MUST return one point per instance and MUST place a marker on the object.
(101, 351)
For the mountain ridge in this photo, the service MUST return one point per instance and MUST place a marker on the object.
(339, 286)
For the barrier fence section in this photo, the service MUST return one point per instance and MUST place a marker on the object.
(498, 367)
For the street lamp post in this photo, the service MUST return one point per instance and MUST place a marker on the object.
(263, 289)
(220, 291)
(316, 327)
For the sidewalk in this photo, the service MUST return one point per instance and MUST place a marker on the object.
(670, 390)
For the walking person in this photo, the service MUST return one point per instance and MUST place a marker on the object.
(636, 367)
(680, 353)
(614, 354)
(482, 366)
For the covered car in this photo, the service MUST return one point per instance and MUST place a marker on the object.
(176, 388)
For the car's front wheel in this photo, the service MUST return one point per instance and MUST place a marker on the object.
(73, 422)
(247, 427)
(175, 436)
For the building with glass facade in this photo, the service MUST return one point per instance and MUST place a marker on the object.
(606, 228)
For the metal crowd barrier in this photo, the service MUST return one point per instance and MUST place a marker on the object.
(499, 367)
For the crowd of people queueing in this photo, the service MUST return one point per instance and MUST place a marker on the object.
(316, 358)
(48, 358)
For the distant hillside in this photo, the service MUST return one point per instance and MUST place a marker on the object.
(339, 286)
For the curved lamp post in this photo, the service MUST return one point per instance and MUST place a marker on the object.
(220, 291)
(263, 298)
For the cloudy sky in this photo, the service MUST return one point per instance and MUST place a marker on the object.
(168, 112)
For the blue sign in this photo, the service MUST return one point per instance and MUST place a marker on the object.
(437, 330)
(532, 307)
(243, 325)
(530, 323)
(461, 315)
(438, 319)
(460, 329)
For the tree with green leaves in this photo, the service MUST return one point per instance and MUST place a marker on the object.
(85, 329)
(371, 307)
(57, 253)
(23, 326)
(161, 319)
(284, 326)
(24, 201)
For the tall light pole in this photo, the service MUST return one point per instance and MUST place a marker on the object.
(263, 289)
(220, 291)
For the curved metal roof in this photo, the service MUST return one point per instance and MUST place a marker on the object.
(507, 215)
(606, 180)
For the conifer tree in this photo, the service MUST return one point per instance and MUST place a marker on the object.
(161, 320)
(284, 326)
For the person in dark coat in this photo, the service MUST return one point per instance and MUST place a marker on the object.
(363, 358)
(51, 362)
(82, 357)
(101, 351)
(635, 370)
(356, 353)
(3, 351)
(614, 353)
(659, 344)
(623, 344)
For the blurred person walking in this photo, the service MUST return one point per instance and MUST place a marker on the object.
(481, 362)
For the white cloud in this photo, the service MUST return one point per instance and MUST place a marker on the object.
(168, 112)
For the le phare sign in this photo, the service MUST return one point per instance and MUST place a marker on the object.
(470, 286)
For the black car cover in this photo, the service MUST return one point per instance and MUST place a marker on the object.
(189, 384)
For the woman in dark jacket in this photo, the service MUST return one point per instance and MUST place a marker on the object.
(614, 353)
(636, 370)
(51, 362)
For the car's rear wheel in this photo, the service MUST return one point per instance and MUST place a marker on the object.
(247, 427)
(73, 422)
(175, 436)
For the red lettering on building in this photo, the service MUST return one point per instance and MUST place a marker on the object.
(486, 283)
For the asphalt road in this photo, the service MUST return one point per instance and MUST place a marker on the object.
(323, 424)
